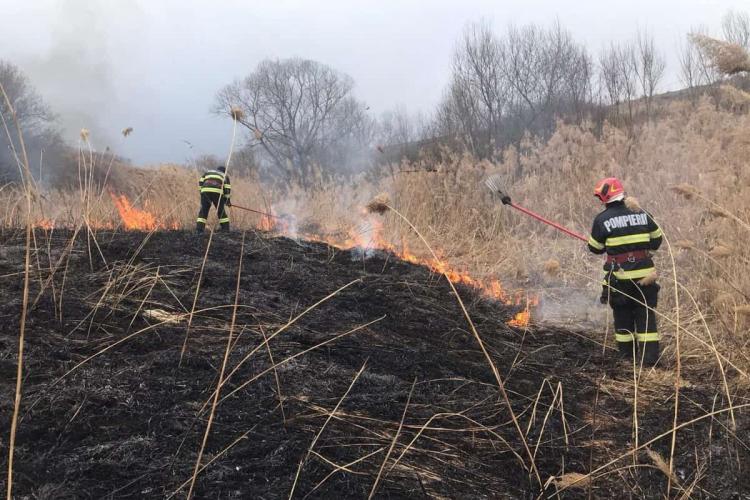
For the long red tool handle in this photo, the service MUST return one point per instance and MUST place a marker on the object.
(548, 222)
(255, 211)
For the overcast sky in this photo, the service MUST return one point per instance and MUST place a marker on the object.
(156, 65)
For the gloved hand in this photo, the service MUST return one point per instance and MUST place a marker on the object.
(603, 298)
(228, 202)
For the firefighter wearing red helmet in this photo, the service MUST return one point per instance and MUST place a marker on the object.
(628, 235)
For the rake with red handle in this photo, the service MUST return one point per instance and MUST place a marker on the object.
(494, 184)
(280, 217)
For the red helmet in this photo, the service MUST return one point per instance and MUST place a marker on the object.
(609, 188)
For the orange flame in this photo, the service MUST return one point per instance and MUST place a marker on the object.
(136, 219)
(267, 223)
(44, 224)
(132, 217)
(492, 288)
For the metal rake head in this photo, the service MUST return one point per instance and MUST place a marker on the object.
(494, 183)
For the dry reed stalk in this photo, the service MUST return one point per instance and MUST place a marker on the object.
(213, 459)
(322, 428)
(26, 175)
(145, 298)
(393, 442)
(715, 350)
(719, 251)
(236, 113)
(689, 192)
(275, 373)
(662, 465)
(712, 414)
(743, 309)
(552, 267)
(421, 429)
(302, 353)
(338, 468)
(221, 373)
(685, 190)
(573, 480)
(165, 317)
(282, 329)
(728, 58)
(649, 280)
(684, 244)
(633, 204)
(379, 205)
(718, 212)
(195, 298)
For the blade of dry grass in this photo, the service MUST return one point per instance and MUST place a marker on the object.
(495, 372)
(322, 428)
(654, 440)
(393, 442)
(195, 297)
(221, 373)
(28, 179)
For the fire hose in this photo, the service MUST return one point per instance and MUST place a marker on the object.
(494, 185)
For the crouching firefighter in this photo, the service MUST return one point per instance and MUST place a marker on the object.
(215, 190)
(628, 234)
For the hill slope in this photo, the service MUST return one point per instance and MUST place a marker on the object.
(128, 422)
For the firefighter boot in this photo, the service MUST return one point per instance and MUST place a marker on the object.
(625, 350)
(649, 351)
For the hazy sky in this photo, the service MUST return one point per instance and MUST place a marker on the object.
(156, 65)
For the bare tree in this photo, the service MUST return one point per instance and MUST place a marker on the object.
(736, 28)
(610, 75)
(475, 101)
(36, 120)
(503, 86)
(650, 67)
(300, 114)
(689, 74)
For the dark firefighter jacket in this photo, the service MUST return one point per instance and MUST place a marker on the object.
(619, 230)
(214, 181)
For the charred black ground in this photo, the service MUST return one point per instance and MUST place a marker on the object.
(128, 423)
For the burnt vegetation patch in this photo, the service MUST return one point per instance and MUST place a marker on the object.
(347, 374)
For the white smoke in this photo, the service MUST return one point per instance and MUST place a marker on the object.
(75, 74)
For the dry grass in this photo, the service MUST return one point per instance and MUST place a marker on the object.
(728, 58)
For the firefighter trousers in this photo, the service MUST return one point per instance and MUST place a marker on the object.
(633, 308)
(217, 200)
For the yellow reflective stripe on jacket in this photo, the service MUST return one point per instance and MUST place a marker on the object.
(655, 234)
(214, 176)
(628, 240)
(634, 274)
(624, 337)
(201, 219)
(647, 337)
(595, 243)
(211, 190)
(224, 220)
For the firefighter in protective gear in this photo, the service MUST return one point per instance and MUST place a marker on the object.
(215, 190)
(628, 235)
